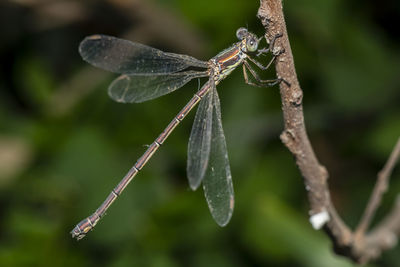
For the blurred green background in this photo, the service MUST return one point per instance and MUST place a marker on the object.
(64, 144)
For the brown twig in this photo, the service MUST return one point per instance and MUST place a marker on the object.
(294, 136)
(380, 188)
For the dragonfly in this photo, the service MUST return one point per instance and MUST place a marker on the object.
(148, 73)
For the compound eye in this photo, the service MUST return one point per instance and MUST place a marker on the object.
(252, 45)
(241, 33)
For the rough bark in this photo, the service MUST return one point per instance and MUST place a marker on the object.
(359, 245)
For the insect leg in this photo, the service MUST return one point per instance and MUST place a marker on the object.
(259, 82)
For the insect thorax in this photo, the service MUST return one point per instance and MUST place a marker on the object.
(226, 61)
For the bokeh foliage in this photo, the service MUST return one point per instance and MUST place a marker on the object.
(64, 144)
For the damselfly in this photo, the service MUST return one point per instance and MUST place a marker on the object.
(148, 73)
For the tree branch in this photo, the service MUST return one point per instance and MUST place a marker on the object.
(380, 188)
(322, 212)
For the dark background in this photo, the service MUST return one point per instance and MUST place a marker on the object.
(64, 144)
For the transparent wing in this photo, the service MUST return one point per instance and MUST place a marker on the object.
(217, 181)
(199, 141)
(136, 89)
(125, 57)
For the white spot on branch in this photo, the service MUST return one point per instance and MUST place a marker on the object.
(320, 219)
